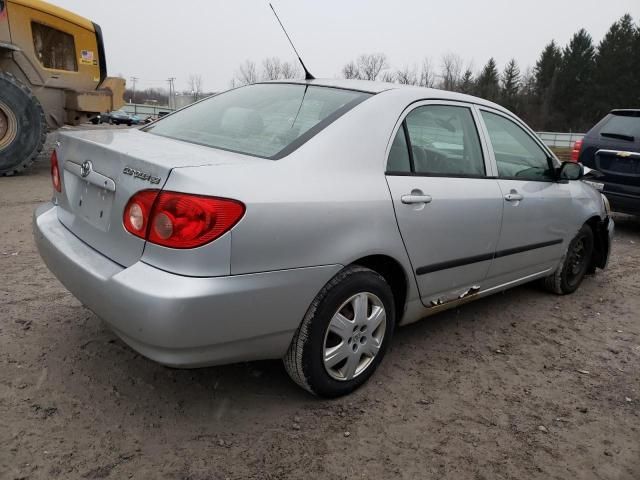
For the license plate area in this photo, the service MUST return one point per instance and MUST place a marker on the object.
(616, 164)
(89, 202)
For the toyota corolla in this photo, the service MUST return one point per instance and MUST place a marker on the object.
(307, 220)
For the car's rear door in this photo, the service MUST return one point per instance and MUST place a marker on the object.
(447, 205)
(538, 211)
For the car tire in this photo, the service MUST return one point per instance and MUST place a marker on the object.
(575, 264)
(315, 357)
(23, 128)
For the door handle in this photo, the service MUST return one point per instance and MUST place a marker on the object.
(412, 199)
(513, 197)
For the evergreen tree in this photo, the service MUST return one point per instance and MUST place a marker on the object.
(546, 68)
(488, 83)
(467, 83)
(546, 78)
(510, 86)
(574, 82)
(615, 80)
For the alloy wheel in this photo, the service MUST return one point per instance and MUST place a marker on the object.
(354, 336)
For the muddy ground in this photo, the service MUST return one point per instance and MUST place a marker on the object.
(521, 385)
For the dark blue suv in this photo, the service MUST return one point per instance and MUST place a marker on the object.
(613, 148)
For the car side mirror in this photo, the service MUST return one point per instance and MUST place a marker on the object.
(571, 171)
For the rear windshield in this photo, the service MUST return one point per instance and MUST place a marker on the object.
(626, 125)
(264, 120)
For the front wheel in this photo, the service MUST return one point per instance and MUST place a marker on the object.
(344, 335)
(569, 275)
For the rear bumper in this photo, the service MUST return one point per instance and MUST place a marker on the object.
(176, 320)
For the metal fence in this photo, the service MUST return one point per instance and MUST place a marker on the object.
(144, 111)
(560, 140)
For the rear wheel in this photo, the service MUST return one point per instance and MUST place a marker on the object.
(22, 126)
(569, 275)
(344, 334)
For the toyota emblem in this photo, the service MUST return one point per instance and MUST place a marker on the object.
(85, 168)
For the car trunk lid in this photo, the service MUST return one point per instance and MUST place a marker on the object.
(102, 169)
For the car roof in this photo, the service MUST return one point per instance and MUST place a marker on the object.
(359, 85)
(375, 87)
(626, 111)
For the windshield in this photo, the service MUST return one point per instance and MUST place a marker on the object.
(264, 120)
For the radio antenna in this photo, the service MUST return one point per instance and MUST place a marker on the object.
(307, 74)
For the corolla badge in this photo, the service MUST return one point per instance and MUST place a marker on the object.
(86, 168)
(141, 175)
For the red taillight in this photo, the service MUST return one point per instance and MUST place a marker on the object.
(180, 220)
(138, 211)
(575, 151)
(55, 172)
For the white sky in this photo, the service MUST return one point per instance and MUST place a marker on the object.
(157, 39)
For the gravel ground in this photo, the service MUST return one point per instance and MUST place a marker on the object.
(519, 385)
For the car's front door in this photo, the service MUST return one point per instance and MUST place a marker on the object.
(537, 208)
(447, 206)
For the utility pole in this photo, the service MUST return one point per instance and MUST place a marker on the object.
(135, 108)
(171, 91)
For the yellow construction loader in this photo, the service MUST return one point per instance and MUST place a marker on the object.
(53, 72)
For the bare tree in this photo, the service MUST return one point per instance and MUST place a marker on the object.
(271, 68)
(368, 66)
(246, 74)
(195, 86)
(451, 71)
(350, 70)
(427, 76)
(406, 76)
(528, 81)
(371, 64)
(290, 70)
(389, 77)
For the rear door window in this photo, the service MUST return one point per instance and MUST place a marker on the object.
(399, 160)
(444, 141)
(264, 120)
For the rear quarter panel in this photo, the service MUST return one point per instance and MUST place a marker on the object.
(326, 203)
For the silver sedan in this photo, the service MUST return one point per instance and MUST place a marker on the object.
(307, 220)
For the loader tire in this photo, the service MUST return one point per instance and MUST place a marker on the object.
(23, 128)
